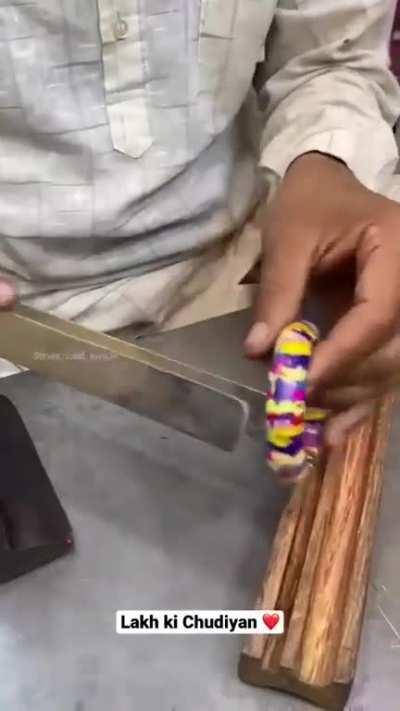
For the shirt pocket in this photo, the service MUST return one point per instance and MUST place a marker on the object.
(125, 75)
(232, 38)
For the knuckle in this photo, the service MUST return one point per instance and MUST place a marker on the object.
(384, 322)
(374, 231)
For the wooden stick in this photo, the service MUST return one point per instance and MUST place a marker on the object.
(323, 573)
(293, 639)
(273, 646)
(268, 597)
(347, 657)
(322, 633)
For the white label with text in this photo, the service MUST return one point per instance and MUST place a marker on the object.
(200, 622)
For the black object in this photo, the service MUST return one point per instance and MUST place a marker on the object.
(34, 529)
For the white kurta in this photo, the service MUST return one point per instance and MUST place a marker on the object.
(131, 142)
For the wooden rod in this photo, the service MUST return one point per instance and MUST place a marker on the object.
(281, 547)
(356, 595)
(293, 639)
(274, 645)
(322, 633)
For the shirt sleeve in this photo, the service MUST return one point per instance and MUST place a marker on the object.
(326, 86)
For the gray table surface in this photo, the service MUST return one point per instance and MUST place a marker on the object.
(161, 521)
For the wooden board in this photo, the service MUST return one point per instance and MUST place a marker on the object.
(318, 573)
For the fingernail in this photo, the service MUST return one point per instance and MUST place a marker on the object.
(257, 340)
(7, 294)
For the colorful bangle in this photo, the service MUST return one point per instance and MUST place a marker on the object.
(294, 432)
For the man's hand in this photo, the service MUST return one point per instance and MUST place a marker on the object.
(320, 218)
(7, 293)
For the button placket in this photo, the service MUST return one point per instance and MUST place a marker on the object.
(123, 53)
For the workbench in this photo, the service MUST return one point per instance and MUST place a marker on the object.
(163, 521)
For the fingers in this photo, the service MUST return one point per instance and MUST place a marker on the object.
(339, 427)
(284, 276)
(343, 398)
(379, 369)
(7, 293)
(370, 322)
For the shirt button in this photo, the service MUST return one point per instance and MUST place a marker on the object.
(120, 28)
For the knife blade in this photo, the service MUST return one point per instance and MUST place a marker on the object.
(212, 409)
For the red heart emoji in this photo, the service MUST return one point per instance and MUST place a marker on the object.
(270, 621)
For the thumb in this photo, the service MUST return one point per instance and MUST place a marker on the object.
(340, 426)
(7, 293)
(284, 276)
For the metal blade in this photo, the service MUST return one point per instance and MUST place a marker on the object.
(192, 401)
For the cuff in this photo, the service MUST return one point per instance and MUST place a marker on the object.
(370, 152)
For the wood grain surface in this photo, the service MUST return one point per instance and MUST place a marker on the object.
(318, 573)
